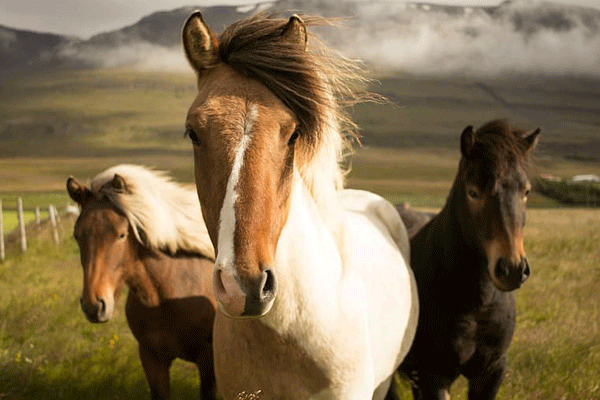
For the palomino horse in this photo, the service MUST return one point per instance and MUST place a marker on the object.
(137, 226)
(315, 297)
(467, 260)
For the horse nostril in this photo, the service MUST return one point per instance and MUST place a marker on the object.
(502, 270)
(526, 270)
(101, 308)
(269, 286)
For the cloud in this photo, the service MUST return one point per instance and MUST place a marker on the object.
(140, 55)
(517, 37)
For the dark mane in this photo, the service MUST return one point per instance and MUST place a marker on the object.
(311, 82)
(501, 144)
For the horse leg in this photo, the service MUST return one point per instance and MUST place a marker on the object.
(206, 370)
(156, 366)
(486, 386)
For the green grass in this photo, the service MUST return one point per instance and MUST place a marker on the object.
(49, 350)
(10, 219)
(31, 200)
(81, 122)
(555, 352)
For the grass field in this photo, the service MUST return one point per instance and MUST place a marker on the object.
(82, 122)
(49, 350)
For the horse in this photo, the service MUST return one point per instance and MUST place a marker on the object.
(315, 297)
(468, 260)
(413, 219)
(139, 227)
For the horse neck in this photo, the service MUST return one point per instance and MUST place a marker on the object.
(157, 276)
(458, 245)
(308, 259)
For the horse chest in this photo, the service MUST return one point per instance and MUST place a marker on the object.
(465, 320)
(178, 327)
(250, 356)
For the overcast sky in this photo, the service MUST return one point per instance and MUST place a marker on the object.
(85, 18)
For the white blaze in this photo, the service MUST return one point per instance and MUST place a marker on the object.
(227, 217)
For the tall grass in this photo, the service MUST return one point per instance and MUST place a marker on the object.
(555, 353)
(49, 350)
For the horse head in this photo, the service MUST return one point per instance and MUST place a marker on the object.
(495, 187)
(106, 246)
(264, 118)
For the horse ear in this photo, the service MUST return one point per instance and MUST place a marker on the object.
(467, 140)
(531, 138)
(119, 184)
(295, 31)
(78, 192)
(200, 43)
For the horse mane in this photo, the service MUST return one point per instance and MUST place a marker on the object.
(314, 83)
(164, 215)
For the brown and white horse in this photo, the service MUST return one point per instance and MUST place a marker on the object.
(138, 227)
(315, 297)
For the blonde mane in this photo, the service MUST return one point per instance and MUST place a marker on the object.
(164, 214)
(315, 83)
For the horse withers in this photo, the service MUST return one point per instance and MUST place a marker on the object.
(315, 297)
(467, 261)
(138, 227)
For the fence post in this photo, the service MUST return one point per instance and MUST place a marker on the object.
(2, 253)
(37, 217)
(52, 214)
(22, 224)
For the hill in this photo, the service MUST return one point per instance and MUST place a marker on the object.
(21, 49)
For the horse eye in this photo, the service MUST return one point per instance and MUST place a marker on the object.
(122, 235)
(192, 135)
(472, 194)
(527, 192)
(293, 138)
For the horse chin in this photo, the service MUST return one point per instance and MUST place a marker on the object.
(227, 311)
(506, 287)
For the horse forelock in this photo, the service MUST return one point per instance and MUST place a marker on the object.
(502, 146)
(314, 83)
(165, 212)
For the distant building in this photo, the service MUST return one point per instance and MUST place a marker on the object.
(586, 178)
(550, 177)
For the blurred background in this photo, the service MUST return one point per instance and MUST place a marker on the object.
(85, 85)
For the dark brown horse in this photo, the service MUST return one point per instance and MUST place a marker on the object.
(467, 261)
(138, 227)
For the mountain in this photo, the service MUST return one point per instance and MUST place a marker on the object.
(514, 37)
(24, 49)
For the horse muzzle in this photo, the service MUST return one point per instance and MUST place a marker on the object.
(509, 276)
(244, 299)
(100, 310)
